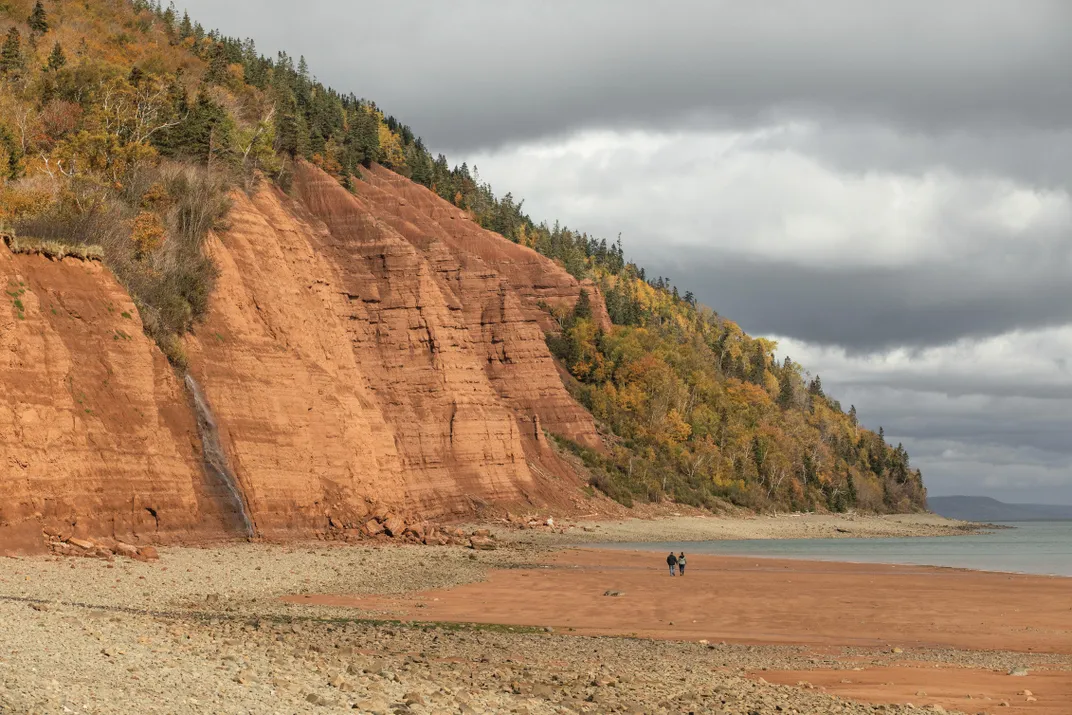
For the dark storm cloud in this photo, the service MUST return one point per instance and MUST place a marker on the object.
(867, 309)
(1014, 449)
(1039, 157)
(480, 73)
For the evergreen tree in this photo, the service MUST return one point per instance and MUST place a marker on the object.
(56, 58)
(583, 308)
(363, 138)
(217, 68)
(38, 20)
(815, 387)
(786, 388)
(186, 28)
(14, 153)
(292, 132)
(198, 136)
(11, 52)
(168, 17)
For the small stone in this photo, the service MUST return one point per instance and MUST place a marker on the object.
(1025, 692)
(128, 550)
(148, 553)
(372, 705)
(1031, 699)
(613, 593)
(482, 543)
(1018, 672)
(897, 650)
(548, 629)
(394, 525)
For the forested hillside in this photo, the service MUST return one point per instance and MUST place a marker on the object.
(125, 128)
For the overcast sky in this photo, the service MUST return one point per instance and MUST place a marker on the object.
(884, 187)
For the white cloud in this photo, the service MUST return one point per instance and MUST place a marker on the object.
(737, 191)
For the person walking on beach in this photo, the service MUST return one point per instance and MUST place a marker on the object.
(671, 561)
(681, 563)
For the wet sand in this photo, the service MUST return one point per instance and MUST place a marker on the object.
(968, 690)
(787, 602)
(748, 600)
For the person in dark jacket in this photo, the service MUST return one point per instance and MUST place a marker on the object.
(681, 563)
(671, 561)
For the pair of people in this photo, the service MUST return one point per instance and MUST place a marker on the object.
(676, 561)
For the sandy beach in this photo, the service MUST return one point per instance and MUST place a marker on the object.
(524, 628)
(669, 526)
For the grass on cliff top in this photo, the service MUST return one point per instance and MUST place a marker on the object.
(56, 250)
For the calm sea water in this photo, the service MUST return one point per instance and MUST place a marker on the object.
(1027, 547)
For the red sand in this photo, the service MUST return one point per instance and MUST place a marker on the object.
(748, 600)
(961, 689)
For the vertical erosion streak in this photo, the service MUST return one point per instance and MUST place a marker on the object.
(213, 456)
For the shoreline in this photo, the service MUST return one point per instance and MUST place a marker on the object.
(693, 528)
(640, 547)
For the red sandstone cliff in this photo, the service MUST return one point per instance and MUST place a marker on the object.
(96, 434)
(345, 359)
(367, 347)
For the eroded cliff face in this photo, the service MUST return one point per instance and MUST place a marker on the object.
(500, 286)
(96, 434)
(354, 355)
(374, 348)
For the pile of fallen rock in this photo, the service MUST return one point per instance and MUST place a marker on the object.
(67, 545)
(516, 521)
(384, 525)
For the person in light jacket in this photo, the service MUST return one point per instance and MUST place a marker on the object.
(681, 563)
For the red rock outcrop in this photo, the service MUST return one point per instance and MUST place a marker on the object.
(363, 348)
(96, 434)
(499, 285)
(346, 361)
